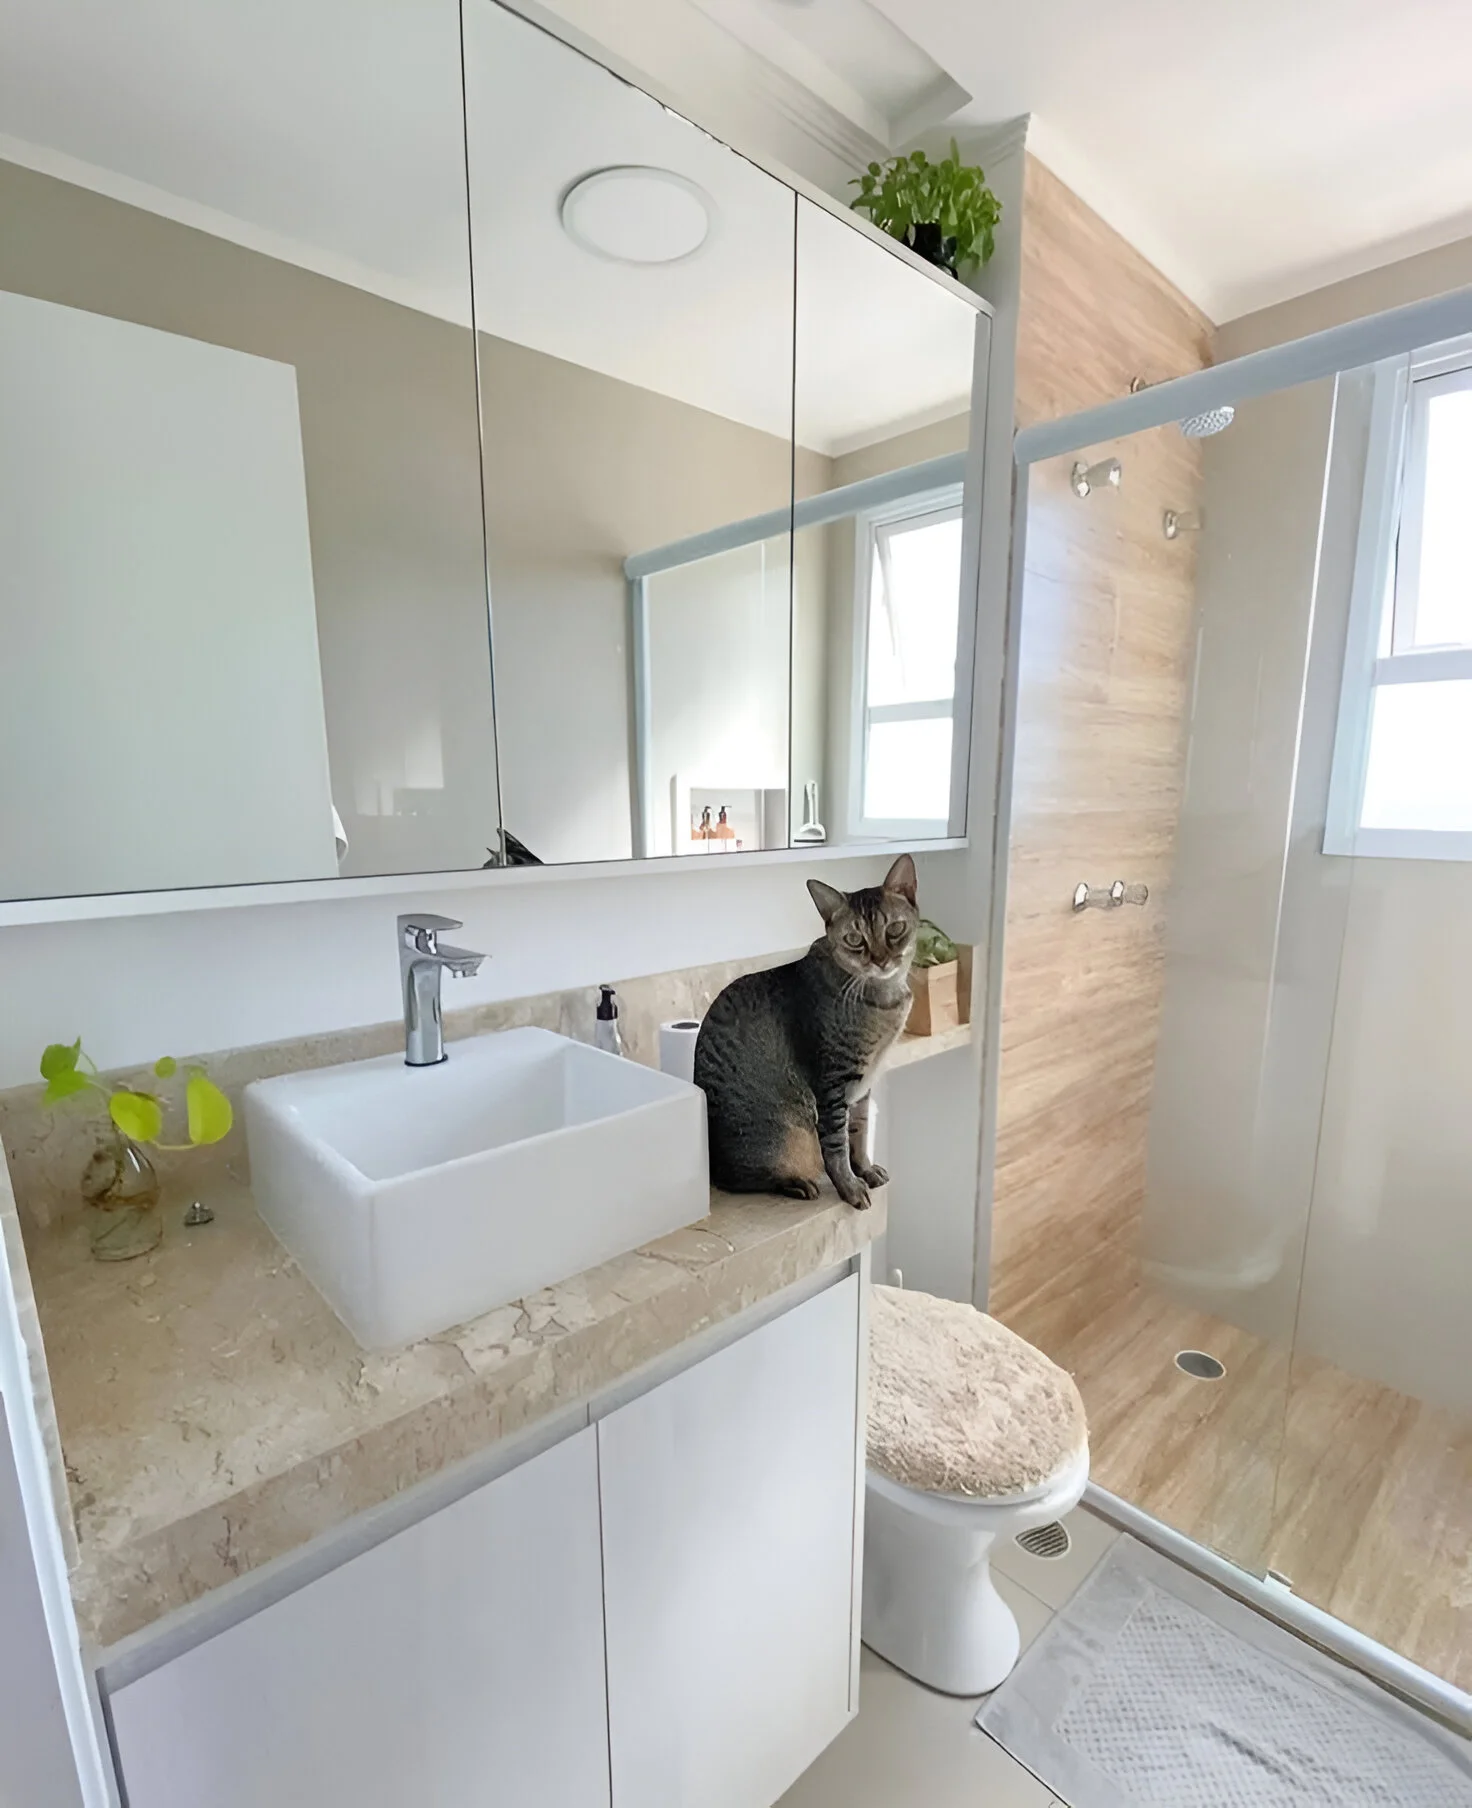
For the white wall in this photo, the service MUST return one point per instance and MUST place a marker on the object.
(1391, 286)
(161, 717)
(1388, 1265)
(138, 987)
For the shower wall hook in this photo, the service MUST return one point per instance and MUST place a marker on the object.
(1100, 897)
(1085, 479)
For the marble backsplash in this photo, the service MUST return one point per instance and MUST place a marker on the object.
(47, 1146)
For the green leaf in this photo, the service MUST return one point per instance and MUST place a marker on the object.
(210, 1115)
(66, 1085)
(933, 947)
(165, 1066)
(60, 1058)
(137, 1114)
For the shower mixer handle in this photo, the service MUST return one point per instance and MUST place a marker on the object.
(1101, 897)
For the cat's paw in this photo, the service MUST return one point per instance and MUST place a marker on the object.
(854, 1193)
(874, 1176)
(799, 1188)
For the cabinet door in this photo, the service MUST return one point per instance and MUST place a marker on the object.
(457, 1665)
(37, 1767)
(728, 1547)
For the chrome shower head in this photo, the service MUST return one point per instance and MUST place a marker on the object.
(1209, 421)
(1085, 479)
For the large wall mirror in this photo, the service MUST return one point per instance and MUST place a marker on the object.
(421, 450)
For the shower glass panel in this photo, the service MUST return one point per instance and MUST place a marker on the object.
(1232, 1117)
(1159, 686)
(1373, 1514)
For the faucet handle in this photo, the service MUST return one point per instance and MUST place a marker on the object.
(418, 929)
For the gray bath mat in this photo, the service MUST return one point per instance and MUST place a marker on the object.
(1154, 1688)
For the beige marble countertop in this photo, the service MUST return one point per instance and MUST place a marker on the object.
(214, 1414)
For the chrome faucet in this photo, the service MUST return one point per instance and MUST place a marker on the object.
(422, 960)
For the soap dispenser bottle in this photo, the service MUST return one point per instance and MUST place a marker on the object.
(605, 1023)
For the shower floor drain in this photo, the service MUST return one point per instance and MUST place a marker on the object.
(1200, 1366)
(1050, 1541)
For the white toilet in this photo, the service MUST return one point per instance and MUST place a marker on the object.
(973, 1436)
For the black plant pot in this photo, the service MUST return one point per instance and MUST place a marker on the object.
(926, 238)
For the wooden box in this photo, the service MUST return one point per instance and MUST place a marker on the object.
(936, 1003)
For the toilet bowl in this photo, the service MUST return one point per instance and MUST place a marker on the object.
(974, 1435)
(930, 1605)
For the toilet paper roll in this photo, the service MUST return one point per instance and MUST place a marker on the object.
(677, 1048)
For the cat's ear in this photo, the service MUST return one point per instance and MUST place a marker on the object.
(901, 878)
(828, 901)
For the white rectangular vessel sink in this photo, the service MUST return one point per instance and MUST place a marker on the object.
(418, 1197)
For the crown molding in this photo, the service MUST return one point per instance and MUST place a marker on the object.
(823, 125)
(988, 142)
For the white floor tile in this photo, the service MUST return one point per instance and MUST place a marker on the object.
(910, 1746)
(1031, 1613)
(1056, 1580)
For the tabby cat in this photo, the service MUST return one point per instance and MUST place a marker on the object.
(786, 1057)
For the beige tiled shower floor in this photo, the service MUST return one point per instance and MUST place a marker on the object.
(1360, 1496)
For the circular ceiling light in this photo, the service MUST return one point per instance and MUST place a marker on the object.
(635, 214)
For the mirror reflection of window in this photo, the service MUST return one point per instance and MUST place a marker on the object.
(909, 688)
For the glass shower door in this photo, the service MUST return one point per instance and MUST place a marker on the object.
(1233, 1180)
(1373, 1511)
(1159, 1081)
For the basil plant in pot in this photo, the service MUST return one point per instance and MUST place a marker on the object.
(119, 1185)
(942, 210)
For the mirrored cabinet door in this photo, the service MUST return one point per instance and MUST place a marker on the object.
(885, 365)
(634, 308)
(243, 603)
(422, 450)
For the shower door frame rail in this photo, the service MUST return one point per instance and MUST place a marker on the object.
(1278, 1602)
(1357, 344)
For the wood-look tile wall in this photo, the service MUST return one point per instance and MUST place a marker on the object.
(1105, 656)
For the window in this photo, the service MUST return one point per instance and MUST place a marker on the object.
(1402, 781)
(908, 595)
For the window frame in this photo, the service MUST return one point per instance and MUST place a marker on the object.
(943, 504)
(1384, 596)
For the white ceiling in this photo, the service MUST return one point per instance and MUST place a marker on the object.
(1254, 149)
(327, 132)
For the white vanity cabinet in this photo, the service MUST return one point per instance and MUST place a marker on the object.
(37, 1764)
(458, 1664)
(669, 1596)
(729, 1544)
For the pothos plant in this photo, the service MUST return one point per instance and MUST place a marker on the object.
(135, 1112)
(942, 210)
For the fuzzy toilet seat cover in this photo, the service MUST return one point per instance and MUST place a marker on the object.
(958, 1404)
